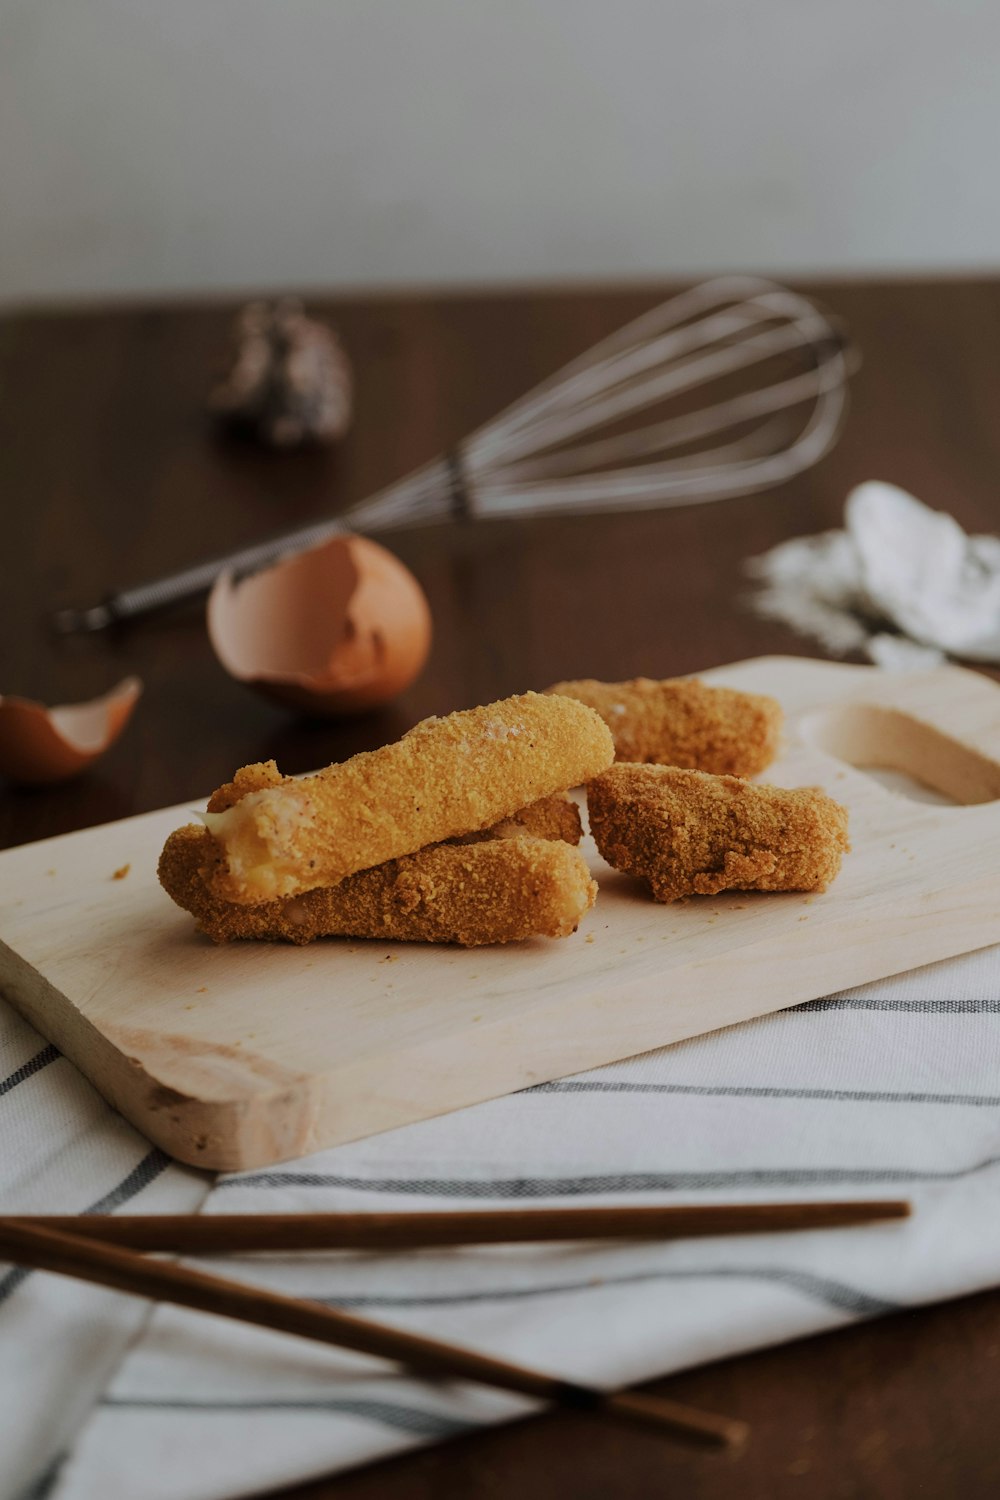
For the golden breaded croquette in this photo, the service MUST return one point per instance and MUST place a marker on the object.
(556, 817)
(680, 721)
(497, 891)
(688, 833)
(448, 776)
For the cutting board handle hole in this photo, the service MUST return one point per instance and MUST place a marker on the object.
(912, 758)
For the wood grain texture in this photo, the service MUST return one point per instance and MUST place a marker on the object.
(109, 475)
(251, 1054)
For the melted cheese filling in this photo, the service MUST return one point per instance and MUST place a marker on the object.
(252, 859)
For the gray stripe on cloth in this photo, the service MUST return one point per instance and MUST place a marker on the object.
(922, 1007)
(386, 1413)
(141, 1175)
(34, 1065)
(734, 1091)
(625, 1182)
(820, 1288)
(44, 1482)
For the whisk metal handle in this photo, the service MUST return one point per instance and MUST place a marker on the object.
(189, 583)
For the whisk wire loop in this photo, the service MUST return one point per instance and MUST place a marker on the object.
(523, 462)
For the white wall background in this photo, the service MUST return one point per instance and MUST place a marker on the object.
(175, 145)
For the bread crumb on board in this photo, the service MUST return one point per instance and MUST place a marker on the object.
(121, 872)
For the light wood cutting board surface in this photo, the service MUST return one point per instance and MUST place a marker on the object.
(251, 1054)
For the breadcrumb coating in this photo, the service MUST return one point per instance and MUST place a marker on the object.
(447, 777)
(556, 817)
(254, 778)
(689, 833)
(680, 721)
(501, 890)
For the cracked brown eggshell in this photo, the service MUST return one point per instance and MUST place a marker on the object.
(40, 745)
(338, 629)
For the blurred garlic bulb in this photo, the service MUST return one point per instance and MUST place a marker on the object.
(290, 381)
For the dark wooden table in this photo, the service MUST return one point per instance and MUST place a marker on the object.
(109, 475)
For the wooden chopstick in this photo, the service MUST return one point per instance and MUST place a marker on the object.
(127, 1271)
(195, 1234)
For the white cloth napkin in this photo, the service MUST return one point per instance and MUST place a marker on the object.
(62, 1150)
(892, 1089)
(901, 582)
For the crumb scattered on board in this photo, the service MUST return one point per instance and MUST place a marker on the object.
(121, 872)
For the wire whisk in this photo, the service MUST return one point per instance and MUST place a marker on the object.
(770, 365)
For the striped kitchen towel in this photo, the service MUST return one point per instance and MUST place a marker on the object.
(893, 1088)
(62, 1150)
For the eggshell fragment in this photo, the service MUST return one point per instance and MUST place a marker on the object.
(39, 745)
(338, 629)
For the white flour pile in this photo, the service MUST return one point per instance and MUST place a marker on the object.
(901, 582)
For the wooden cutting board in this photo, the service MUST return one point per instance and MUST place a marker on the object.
(251, 1054)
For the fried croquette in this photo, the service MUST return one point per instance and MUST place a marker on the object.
(556, 817)
(500, 890)
(448, 776)
(680, 721)
(688, 833)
